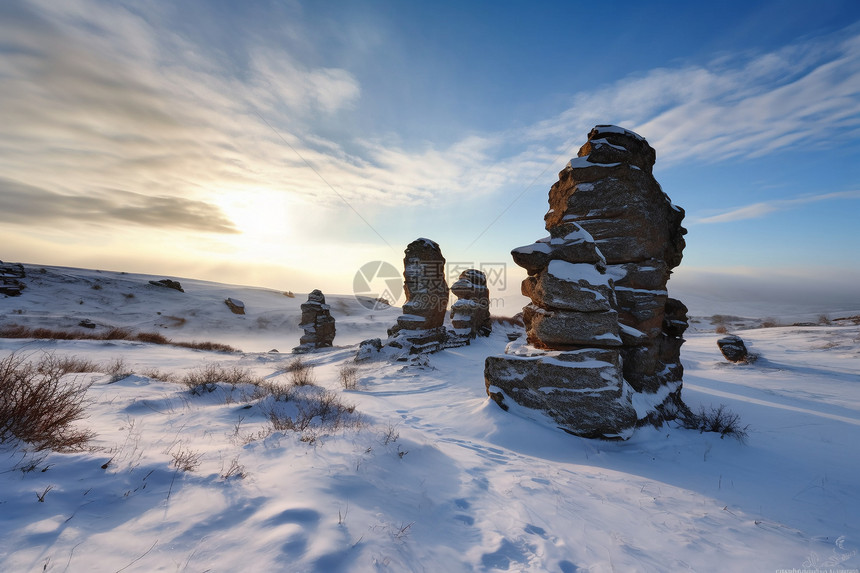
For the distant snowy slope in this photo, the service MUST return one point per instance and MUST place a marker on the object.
(59, 297)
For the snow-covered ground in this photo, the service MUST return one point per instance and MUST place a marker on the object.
(436, 477)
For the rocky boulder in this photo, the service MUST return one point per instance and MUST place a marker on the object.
(317, 323)
(236, 306)
(10, 275)
(733, 348)
(167, 283)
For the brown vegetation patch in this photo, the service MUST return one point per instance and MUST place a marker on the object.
(115, 333)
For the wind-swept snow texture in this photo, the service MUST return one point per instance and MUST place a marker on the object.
(438, 478)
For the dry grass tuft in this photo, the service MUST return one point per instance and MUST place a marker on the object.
(301, 373)
(348, 374)
(719, 420)
(40, 408)
(115, 333)
(207, 377)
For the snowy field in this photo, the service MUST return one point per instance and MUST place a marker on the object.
(429, 475)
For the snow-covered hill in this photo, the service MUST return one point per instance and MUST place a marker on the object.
(435, 477)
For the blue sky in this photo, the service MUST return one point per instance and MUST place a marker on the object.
(287, 143)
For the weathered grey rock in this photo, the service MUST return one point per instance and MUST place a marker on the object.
(10, 273)
(570, 286)
(579, 390)
(317, 322)
(598, 282)
(470, 315)
(733, 348)
(419, 329)
(368, 349)
(562, 329)
(12, 270)
(236, 306)
(167, 283)
(424, 284)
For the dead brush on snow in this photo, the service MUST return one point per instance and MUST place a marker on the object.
(312, 413)
(186, 460)
(301, 373)
(720, 420)
(114, 333)
(207, 377)
(117, 369)
(40, 408)
(348, 375)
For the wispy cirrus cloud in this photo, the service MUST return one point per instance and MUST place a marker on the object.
(761, 209)
(25, 204)
(747, 105)
(97, 96)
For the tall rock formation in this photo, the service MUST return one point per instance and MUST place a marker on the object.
(470, 315)
(317, 322)
(420, 326)
(601, 328)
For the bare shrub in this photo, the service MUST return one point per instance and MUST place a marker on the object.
(155, 374)
(207, 377)
(234, 470)
(38, 407)
(769, 322)
(824, 320)
(719, 420)
(721, 329)
(390, 435)
(186, 460)
(53, 365)
(311, 414)
(118, 369)
(348, 374)
(301, 373)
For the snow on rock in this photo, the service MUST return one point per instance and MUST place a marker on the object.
(317, 322)
(614, 237)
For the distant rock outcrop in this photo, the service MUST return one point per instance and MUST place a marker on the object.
(420, 328)
(733, 348)
(317, 322)
(470, 315)
(600, 327)
(236, 306)
(10, 273)
(167, 283)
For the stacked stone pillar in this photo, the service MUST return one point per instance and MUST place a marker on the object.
(470, 315)
(317, 323)
(420, 326)
(601, 327)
